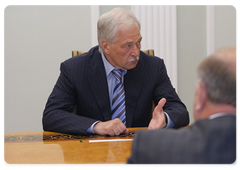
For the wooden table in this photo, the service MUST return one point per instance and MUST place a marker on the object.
(58, 148)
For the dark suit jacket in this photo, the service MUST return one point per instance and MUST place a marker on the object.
(206, 141)
(82, 85)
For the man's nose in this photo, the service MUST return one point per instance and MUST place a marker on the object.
(135, 50)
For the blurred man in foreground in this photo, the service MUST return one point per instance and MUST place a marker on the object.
(212, 138)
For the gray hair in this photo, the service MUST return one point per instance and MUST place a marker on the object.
(108, 24)
(219, 80)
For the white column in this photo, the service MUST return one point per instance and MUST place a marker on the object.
(158, 29)
(94, 20)
(210, 30)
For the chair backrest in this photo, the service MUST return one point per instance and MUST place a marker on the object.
(75, 52)
(150, 52)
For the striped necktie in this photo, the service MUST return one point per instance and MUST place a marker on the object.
(118, 101)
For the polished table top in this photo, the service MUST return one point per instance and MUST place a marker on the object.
(58, 148)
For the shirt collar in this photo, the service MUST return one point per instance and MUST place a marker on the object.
(109, 67)
(220, 115)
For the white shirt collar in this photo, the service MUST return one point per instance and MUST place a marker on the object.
(220, 115)
(109, 67)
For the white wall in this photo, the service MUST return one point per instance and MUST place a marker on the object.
(39, 38)
(192, 43)
(225, 26)
(192, 48)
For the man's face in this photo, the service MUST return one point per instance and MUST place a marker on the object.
(123, 52)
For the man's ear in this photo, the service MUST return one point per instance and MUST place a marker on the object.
(201, 97)
(105, 46)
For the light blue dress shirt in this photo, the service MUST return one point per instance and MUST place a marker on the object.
(111, 83)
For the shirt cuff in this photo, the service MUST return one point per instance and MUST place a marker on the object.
(90, 129)
(170, 123)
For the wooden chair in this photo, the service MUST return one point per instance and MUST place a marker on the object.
(150, 52)
(75, 52)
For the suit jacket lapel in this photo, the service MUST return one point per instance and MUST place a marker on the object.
(132, 86)
(98, 83)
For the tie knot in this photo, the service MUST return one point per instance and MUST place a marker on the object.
(118, 74)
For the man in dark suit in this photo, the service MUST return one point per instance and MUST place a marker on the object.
(112, 86)
(212, 138)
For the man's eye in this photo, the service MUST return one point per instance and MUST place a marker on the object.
(139, 44)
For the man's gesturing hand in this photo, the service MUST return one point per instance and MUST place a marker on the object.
(111, 127)
(158, 117)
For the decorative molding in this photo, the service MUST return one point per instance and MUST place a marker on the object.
(158, 29)
(210, 30)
